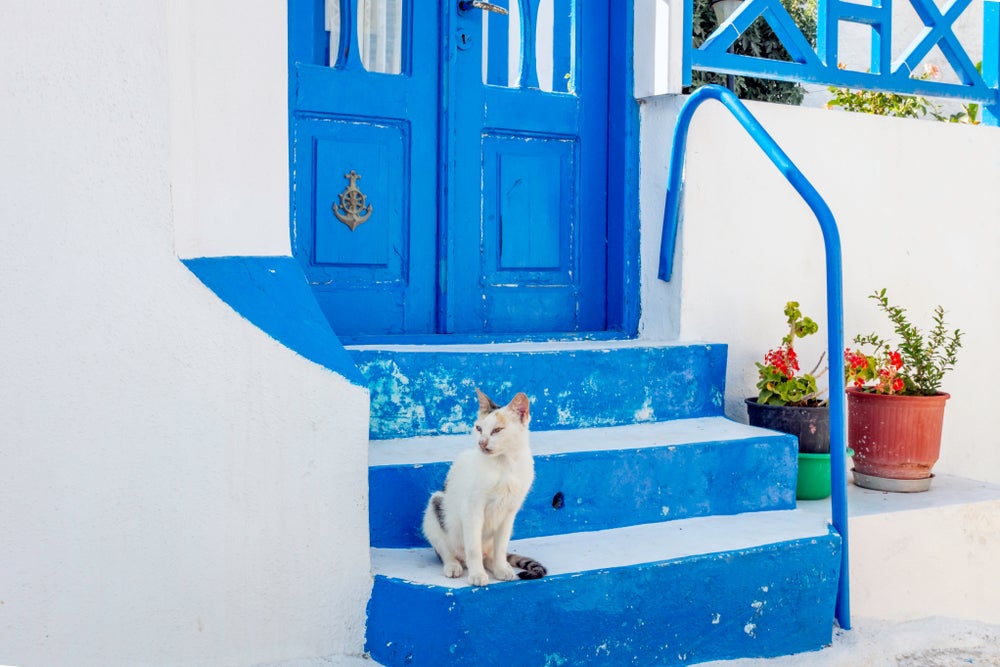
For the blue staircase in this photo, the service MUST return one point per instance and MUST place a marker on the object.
(669, 532)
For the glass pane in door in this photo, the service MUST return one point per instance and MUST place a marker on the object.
(379, 30)
(531, 47)
(380, 35)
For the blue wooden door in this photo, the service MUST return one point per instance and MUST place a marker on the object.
(448, 176)
(528, 215)
(364, 138)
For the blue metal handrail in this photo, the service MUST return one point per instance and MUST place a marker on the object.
(834, 291)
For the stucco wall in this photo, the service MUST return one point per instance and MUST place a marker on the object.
(176, 487)
(229, 127)
(916, 205)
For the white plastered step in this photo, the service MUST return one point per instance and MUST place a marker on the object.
(677, 432)
(619, 547)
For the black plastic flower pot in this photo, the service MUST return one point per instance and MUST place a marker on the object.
(811, 425)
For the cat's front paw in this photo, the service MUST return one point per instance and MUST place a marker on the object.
(504, 573)
(453, 570)
(478, 578)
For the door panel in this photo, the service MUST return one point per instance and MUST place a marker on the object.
(527, 182)
(449, 168)
(527, 260)
(530, 181)
(527, 158)
(381, 126)
(364, 270)
(377, 152)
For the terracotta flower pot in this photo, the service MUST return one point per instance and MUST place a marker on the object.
(895, 437)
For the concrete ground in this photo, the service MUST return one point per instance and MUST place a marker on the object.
(900, 543)
(929, 642)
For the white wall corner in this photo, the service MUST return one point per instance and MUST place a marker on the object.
(661, 301)
(659, 47)
(229, 128)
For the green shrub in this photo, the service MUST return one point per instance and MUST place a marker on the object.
(758, 41)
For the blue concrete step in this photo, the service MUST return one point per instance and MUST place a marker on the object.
(591, 479)
(671, 593)
(424, 390)
(669, 531)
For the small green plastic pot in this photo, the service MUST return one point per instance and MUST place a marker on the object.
(814, 476)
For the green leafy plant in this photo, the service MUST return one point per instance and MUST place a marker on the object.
(758, 41)
(901, 106)
(968, 115)
(779, 382)
(879, 103)
(915, 367)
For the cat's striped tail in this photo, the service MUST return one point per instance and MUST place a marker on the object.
(530, 568)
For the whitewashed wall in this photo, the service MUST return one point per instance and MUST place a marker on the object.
(228, 127)
(175, 486)
(916, 204)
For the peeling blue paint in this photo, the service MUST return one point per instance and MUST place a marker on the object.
(272, 294)
(675, 612)
(428, 392)
(761, 601)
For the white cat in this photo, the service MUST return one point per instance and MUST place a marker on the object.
(470, 521)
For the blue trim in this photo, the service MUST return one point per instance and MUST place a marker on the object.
(687, 29)
(273, 295)
(777, 17)
(623, 175)
(834, 287)
(991, 58)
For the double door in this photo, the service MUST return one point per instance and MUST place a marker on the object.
(449, 164)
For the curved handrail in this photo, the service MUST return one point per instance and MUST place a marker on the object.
(834, 290)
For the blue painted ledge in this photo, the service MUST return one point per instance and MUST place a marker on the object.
(272, 293)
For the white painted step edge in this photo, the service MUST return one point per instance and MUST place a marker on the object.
(618, 547)
(677, 432)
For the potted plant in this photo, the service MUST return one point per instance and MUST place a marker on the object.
(790, 402)
(895, 406)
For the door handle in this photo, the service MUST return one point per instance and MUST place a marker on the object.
(466, 5)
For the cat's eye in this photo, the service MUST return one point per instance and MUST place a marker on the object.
(496, 430)
(479, 428)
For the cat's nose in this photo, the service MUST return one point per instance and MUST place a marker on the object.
(484, 445)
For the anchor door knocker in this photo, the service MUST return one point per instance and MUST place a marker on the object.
(353, 208)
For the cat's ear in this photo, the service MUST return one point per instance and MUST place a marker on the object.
(519, 404)
(486, 404)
